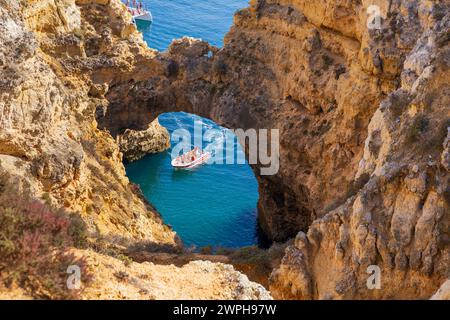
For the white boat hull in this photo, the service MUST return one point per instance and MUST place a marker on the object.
(140, 14)
(189, 165)
(144, 17)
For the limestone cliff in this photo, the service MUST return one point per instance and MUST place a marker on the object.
(443, 293)
(135, 144)
(58, 59)
(49, 139)
(363, 114)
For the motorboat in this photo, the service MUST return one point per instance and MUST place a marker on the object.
(138, 11)
(191, 159)
(141, 14)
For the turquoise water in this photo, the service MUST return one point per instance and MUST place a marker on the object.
(209, 20)
(214, 204)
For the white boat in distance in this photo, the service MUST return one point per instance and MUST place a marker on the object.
(138, 11)
(142, 15)
(191, 159)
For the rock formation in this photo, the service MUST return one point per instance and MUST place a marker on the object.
(364, 172)
(58, 59)
(363, 112)
(134, 144)
(443, 293)
(151, 281)
(49, 139)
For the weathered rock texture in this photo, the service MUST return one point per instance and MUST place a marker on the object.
(399, 218)
(135, 144)
(58, 59)
(363, 115)
(49, 137)
(443, 293)
(150, 281)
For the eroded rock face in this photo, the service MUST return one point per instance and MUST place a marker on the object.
(363, 115)
(58, 60)
(399, 220)
(135, 144)
(194, 280)
(314, 70)
(49, 140)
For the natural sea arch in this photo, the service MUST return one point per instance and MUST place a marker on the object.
(135, 104)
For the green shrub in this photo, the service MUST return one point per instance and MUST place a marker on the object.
(207, 250)
(78, 231)
(124, 258)
(249, 255)
(79, 33)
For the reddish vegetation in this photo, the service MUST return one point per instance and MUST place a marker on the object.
(33, 246)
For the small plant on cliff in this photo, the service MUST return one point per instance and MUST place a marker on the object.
(220, 67)
(4, 178)
(172, 69)
(125, 259)
(207, 250)
(79, 33)
(418, 126)
(327, 61)
(258, 263)
(33, 243)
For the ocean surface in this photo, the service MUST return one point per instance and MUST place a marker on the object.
(209, 20)
(214, 204)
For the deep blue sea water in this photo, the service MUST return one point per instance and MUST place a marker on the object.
(209, 20)
(214, 204)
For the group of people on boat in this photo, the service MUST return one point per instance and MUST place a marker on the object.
(135, 7)
(191, 156)
(191, 159)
